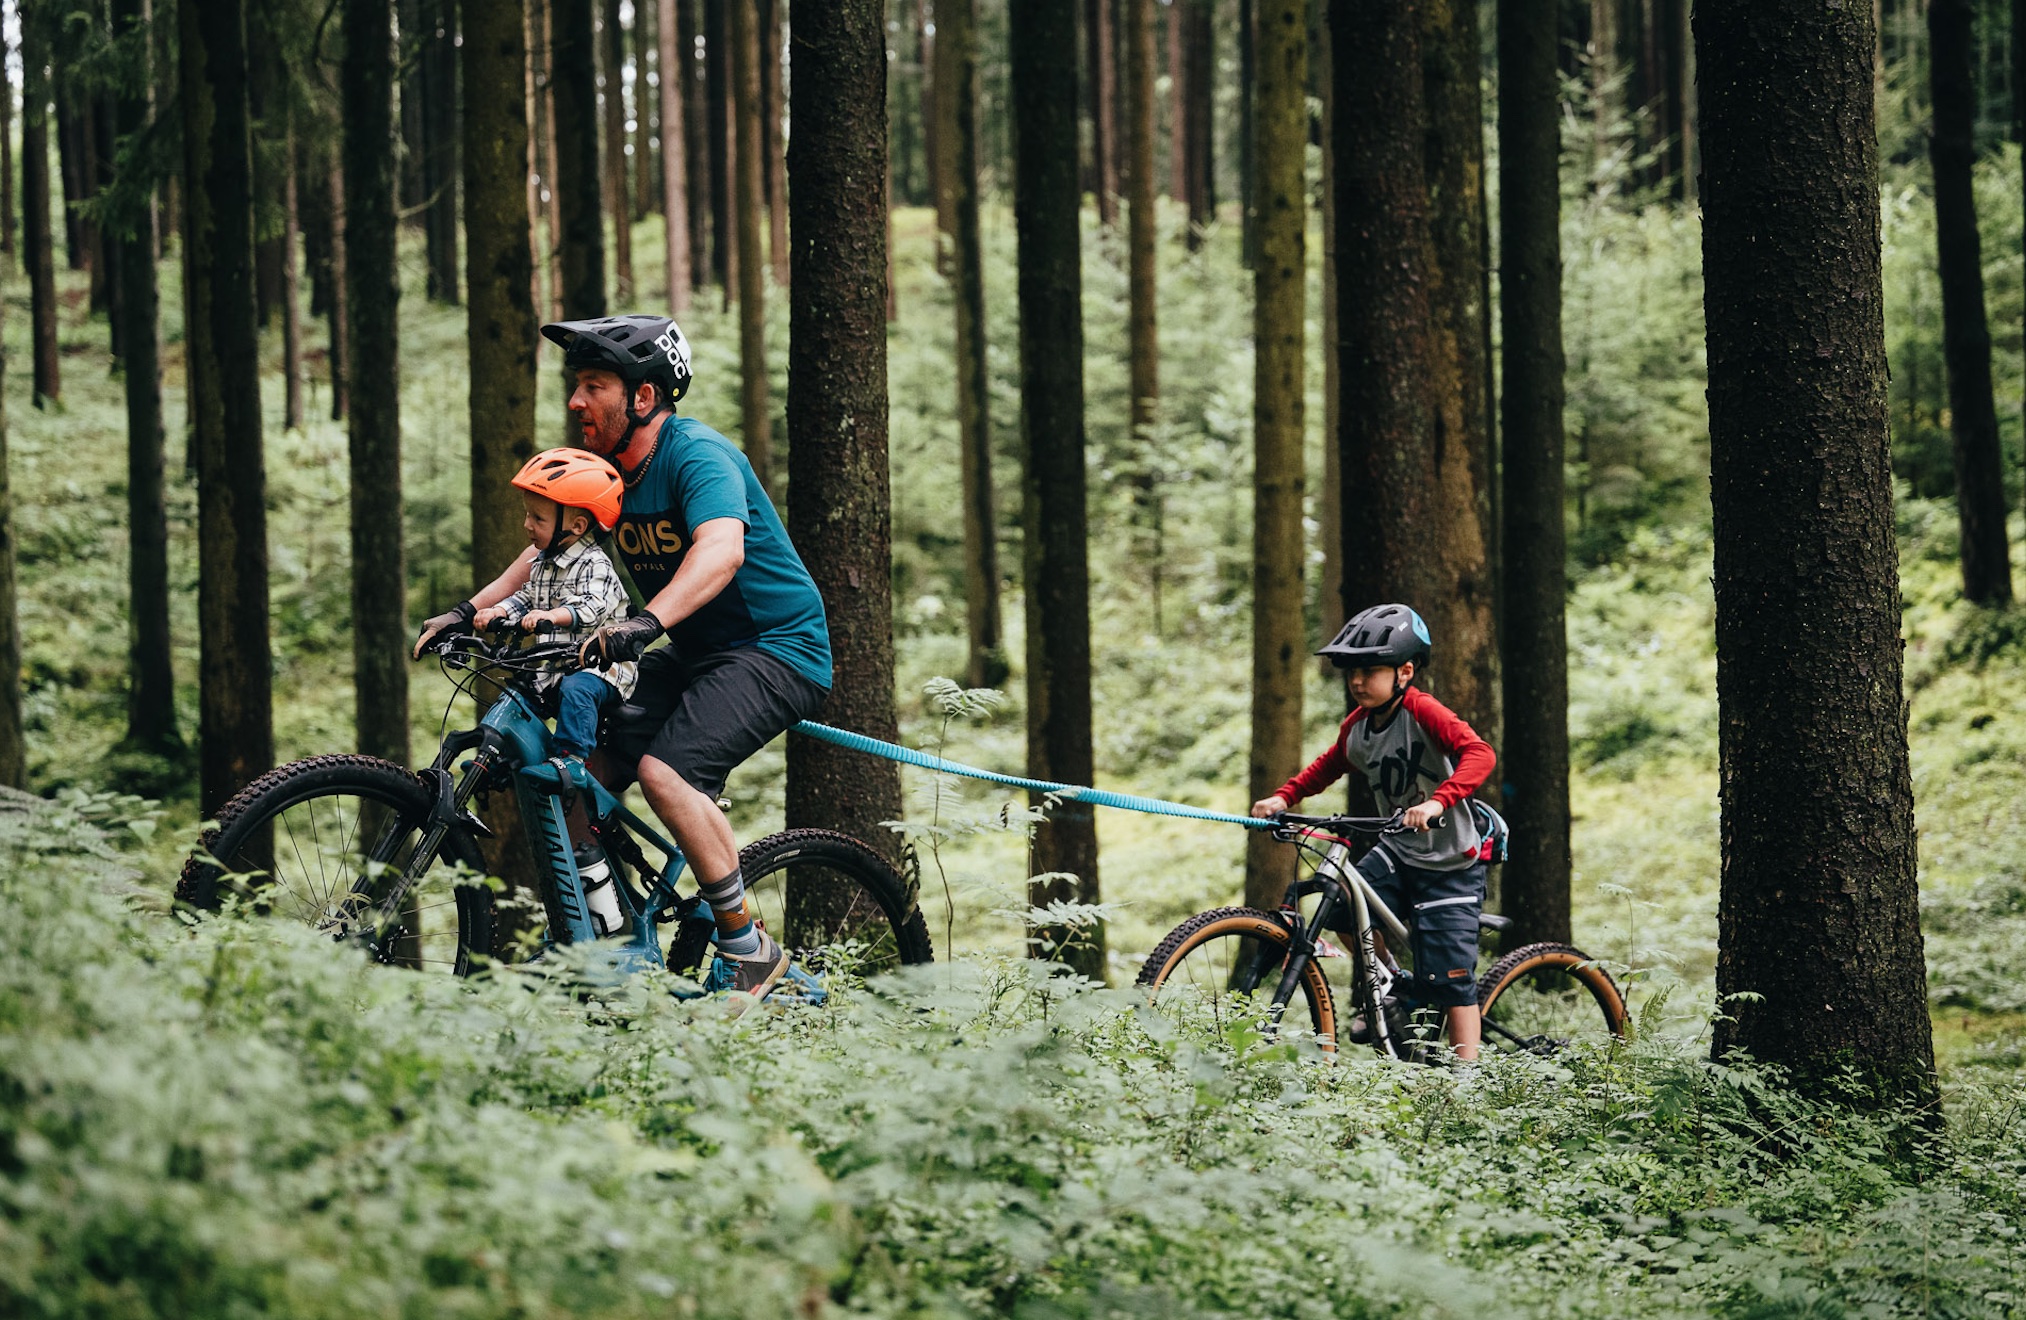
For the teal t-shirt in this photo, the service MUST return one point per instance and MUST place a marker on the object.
(697, 475)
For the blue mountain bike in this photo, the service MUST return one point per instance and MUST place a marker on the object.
(370, 851)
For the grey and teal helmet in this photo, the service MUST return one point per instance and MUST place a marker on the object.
(640, 348)
(1382, 635)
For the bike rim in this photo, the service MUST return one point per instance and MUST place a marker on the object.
(1551, 1006)
(1226, 980)
(827, 921)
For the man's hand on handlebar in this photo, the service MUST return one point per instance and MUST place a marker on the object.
(457, 619)
(616, 643)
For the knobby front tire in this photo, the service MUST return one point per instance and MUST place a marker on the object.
(1550, 997)
(1197, 971)
(326, 840)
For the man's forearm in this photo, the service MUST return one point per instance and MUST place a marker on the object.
(705, 571)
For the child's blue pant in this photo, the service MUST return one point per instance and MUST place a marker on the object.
(580, 699)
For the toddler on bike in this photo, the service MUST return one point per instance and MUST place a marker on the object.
(572, 588)
(1421, 760)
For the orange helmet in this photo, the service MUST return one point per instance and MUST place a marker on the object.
(575, 479)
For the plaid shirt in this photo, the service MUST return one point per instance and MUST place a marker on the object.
(582, 580)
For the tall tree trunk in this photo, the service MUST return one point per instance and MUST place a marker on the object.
(1819, 917)
(839, 511)
(613, 60)
(2018, 125)
(717, 140)
(1454, 170)
(1535, 754)
(578, 178)
(1102, 54)
(38, 247)
(773, 113)
(1966, 335)
(1248, 82)
(645, 109)
(13, 744)
(414, 134)
(7, 231)
(695, 121)
(1279, 283)
(70, 157)
(151, 684)
(1198, 55)
(341, 353)
(674, 163)
(500, 319)
(758, 433)
(1144, 349)
(1054, 526)
(1329, 500)
(1416, 538)
(235, 668)
(291, 291)
(438, 61)
(264, 95)
(373, 295)
(957, 89)
(1178, 98)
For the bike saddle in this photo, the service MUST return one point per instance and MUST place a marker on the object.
(1492, 921)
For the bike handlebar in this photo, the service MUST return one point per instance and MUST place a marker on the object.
(1286, 824)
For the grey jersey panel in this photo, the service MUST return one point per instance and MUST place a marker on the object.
(1404, 765)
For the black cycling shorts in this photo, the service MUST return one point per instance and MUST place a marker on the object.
(704, 717)
(1441, 910)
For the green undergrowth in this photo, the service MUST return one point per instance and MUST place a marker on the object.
(232, 1117)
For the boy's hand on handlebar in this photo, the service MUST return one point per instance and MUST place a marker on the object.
(616, 643)
(486, 618)
(457, 618)
(1422, 815)
(556, 618)
(1269, 806)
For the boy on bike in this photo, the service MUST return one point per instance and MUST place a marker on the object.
(1423, 761)
(572, 588)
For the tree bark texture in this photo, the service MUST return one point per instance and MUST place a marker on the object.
(839, 506)
(757, 431)
(151, 681)
(1198, 61)
(341, 352)
(717, 140)
(1248, 169)
(291, 288)
(645, 110)
(1403, 465)
(1455, 176)
(1054, 526)
(1178, 95)
(1142, 335)
(1329, 500)
(1279, 283)
(69, 157)
(438, 65)
(38, 246)
(373, 295)
(1101, 51)
(1535, 755)
(7, 228)
(1966, 334)
(774, 108)
(1818, 916)
(695, 118)
(13, 744)
(957, 89)
(573, 82)
(612, 61)
(234, 672)
(674, 163)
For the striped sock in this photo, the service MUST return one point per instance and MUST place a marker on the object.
(738, 937)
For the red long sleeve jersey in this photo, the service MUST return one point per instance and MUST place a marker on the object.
(1422, 751)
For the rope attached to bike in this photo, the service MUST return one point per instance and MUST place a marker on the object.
(1096, 797)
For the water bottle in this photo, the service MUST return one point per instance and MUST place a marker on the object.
(599, 891)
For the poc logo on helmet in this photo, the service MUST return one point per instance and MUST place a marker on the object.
(676, 347)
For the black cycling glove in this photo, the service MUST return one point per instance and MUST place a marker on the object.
(457, 619)
(616, 643)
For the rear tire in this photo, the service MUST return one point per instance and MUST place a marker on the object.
(298, 828)
(1194, 972)
(1550, 996)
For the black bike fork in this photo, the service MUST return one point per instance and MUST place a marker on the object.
(1302, 940)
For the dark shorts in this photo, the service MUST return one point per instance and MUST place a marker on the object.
(1441, 909)
(703, 717)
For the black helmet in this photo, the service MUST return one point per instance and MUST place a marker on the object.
(638, 347)
(1382, 635)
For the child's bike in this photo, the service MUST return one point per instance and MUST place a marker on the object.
(1238, 966)
(370, 851)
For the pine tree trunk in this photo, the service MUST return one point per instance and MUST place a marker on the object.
(1818, 918)
(613, 60)
(13, 744)
(1454, 170)
(578, 178)
(7, 230)
(438, 60)
(1966, 335)
(1416, 536)
(645, 110)
(695, 121)
(957, 92)
(151, 684)
(234, 671)
(1329, 500)
(1198, 54)
(70, 155)
(38, 246)
(1102, 52)
(758, 432)
(1056, 566)
(1144, 350)
(774, 29)
(1534, 758)
(414, 134)
(1178, 118)
(839, 511)
(1279, 283)
(717, 140)
(341, 373)
(291, 290)
(1248, 169)
(265, 99)
(373, 294)
(674, 163)
(96, 131)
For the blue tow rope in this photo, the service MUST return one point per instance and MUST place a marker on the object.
(1096, 797)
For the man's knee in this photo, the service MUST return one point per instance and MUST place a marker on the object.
(660, 779)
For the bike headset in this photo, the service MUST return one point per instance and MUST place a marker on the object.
(638, 347)
(1392, 635)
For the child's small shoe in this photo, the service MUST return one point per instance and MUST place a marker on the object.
(572, 773)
